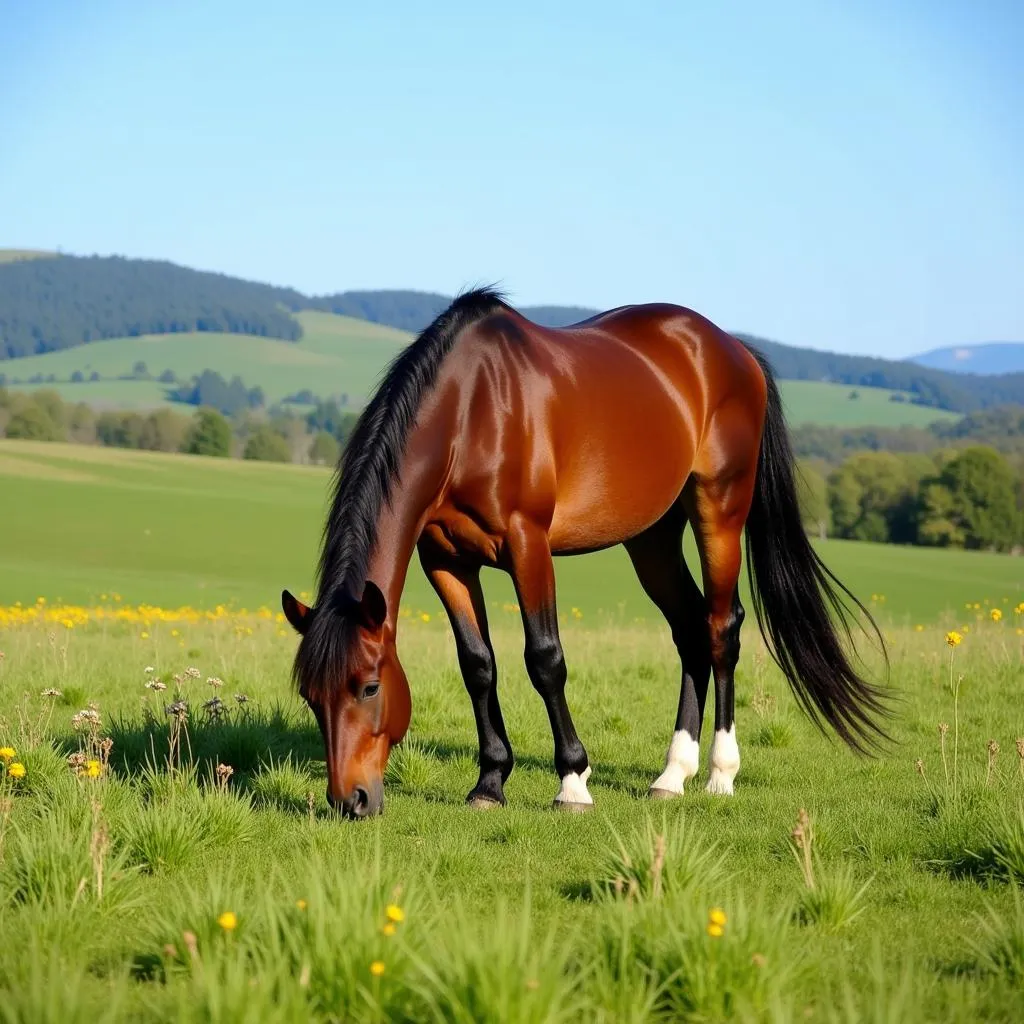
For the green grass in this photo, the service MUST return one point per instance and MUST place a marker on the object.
(81, 521)
(111, 888)
(336, 355)
(16, 255)
(341, 355)
(808, 401)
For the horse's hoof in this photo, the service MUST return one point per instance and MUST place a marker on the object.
(575, 808)
(662, 794)
(482, 803)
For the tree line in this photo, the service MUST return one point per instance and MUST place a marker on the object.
(64, 301)
(971, 496)
(963, 498)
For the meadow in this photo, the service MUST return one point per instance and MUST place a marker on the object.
(166, 852)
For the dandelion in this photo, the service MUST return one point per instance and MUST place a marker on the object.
(50, 692)
(144, 636)
(377, 968)
(228, 920)
(93, 769)
(424, 617)
(953, 638)
(389, 929)
(995, 615)
(919, 628)
(7, 754)
(716, 931)
(16, 770)
(717, 916)
(394, 913)
(301, 904)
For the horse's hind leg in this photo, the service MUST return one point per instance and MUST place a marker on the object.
(718, 509)
(657, 556)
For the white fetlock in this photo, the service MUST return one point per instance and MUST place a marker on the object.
(724, 762)
(681, 763)
(574, 789)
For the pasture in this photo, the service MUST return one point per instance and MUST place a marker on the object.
(139, 882)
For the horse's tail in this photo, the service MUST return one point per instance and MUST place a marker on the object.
(793, 593)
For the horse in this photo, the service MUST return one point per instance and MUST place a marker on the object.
(494, 441)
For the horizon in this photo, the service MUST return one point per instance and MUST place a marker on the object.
(857, 186)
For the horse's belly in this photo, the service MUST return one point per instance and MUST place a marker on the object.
(617, 488)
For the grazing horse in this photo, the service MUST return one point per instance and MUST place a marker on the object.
(493, 441)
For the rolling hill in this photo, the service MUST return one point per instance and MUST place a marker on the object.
(68, 315)
(994, 358)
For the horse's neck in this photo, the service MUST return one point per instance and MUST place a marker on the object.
(399, 525)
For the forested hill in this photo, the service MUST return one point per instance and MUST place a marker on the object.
(58, 302)
(936, 388)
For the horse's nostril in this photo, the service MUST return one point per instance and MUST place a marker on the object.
(360, 801)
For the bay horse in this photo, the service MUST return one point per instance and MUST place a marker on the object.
(493, 441)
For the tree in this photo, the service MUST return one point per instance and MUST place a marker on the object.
(324, 450)
(972, 502)
(209, 434)
(33, 423)
(265, 445)
(140, 371)
(81, 424)
(164, 431)
(873, 496)
(168, 377)
(77, 377)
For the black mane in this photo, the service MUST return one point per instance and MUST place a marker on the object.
(366, 471)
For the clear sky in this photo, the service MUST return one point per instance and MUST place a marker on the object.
(839, 175)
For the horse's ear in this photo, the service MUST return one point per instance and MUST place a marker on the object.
(295, 612)
(373, 609)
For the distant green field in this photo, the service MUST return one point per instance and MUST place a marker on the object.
(809, 401)
(336, 355)
(340, 355)
(77, 521)
(14, 255)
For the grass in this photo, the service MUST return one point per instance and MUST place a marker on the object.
(818, 402)
(80, 522)
(336, 355)
(113, 889)
(342, 355)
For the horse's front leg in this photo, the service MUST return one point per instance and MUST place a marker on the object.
(459, 589)
(529, 556)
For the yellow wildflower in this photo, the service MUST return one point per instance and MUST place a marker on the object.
(16, 770)
(301, 904)
(145, 636)
(716, 931)
(394, 913)
(919, 629)
(228, 920)
(425, 617)
(388, 929)
(717, 916)
(7, 754)
(953, 638)
(93, 769)
(377, 968)
(995, 614)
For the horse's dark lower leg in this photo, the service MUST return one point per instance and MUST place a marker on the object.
(657, 557)
(460, 593)
(534, 578)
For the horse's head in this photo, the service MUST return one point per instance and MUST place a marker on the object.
(350, 676)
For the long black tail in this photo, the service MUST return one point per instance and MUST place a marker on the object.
(794, 595)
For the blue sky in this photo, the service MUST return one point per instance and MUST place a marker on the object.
(844, 176)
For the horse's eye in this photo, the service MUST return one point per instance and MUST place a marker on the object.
(369, 690)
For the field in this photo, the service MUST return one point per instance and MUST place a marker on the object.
(340, 355)
(145, 886)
